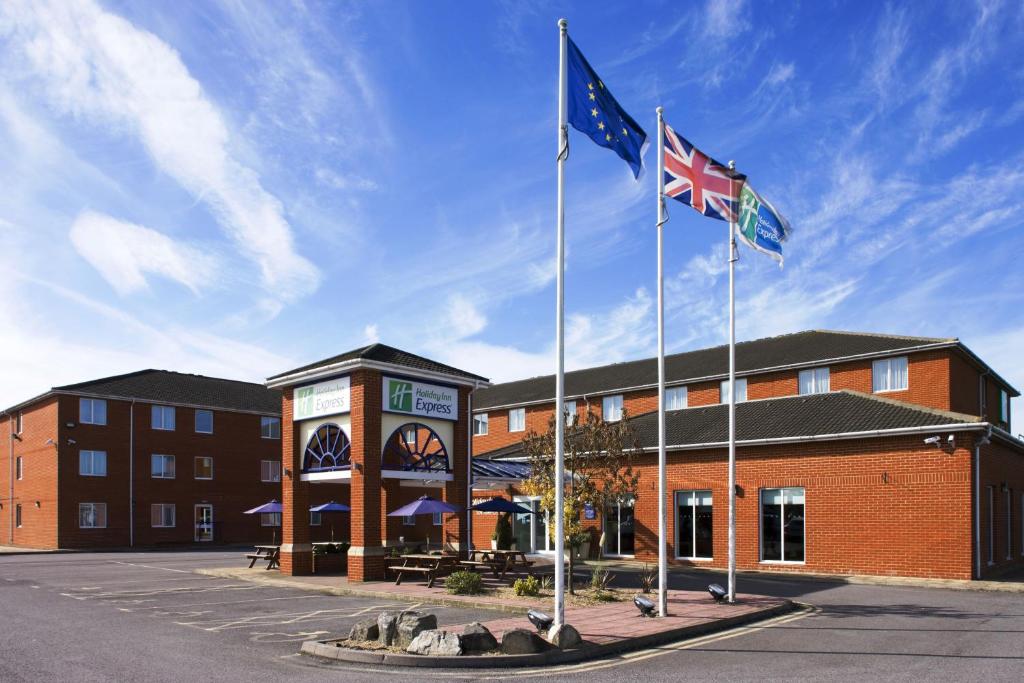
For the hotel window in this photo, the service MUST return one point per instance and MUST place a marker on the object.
(408, 520)
(19, 423)
(270, 427)
(438, 519)
(92, 411)
(92, 515)
(204, 422)
(480, 424)
(162, 466)
(1004, 407)
(675, 398)
(782, 525)
(889, 374)
(92, 463)
(741, 390)
(163, 418)
(991, 490)
(19, 468)
(1009, 524)
(517, 420)
(17, 515)
(270, 470)
(314, 518)
(694, 540)
(611, 408)
(204, 467)
(161, 515)
(570, 413)
(814, 381)
(270, 519)
(620, 527)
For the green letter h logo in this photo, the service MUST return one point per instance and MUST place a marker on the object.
(400, 396)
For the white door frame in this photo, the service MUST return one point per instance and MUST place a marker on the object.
(195, 522)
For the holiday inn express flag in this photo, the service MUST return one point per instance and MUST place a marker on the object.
(594, 112)
(694, 178)
(760, 226)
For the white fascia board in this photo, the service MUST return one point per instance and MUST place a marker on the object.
(360, 363)
(339, 475)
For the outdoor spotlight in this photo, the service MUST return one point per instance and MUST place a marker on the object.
(951, 440)
(645, 606)
(540, 620)
(933, 440)
(717, 592)
(71, 442)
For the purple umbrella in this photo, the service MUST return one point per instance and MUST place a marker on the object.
(331, 507)
(424, 505)
(272, 506)
(499, 504)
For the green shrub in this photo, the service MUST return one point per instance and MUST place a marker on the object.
(527, 586)
(464, 583)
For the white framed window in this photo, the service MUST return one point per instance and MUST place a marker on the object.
(270, 519)
(163, 418)
(314, 518)
(270, 470)
(480, 424)
(1004, 406)
(570, 413)
(889, 374)
(676, 398)
(204, 422)
(92, 411)
(162, 466)
(991, 490)
(92, 515)
(17, 515)
(19, 423)
(409, 520)
(19, 468)
(161, 515)
(203, 467)
(741, 390)
(270, 427)
(517, 420)
(438, 519)
(814, 381)
(694, 517)
(611, 408)
(782, 525)
(92, 463)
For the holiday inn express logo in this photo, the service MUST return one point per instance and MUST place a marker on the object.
(400, 396)
(304, 399)
(324, 398)
(417, 398)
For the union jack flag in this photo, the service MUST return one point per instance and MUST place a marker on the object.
(694, 178)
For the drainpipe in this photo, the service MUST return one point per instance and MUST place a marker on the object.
(10, 445)
(469, 472)
(131, 475)
(978, 443)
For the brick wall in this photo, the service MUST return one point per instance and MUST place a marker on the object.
(1002, 468)
(39, 478)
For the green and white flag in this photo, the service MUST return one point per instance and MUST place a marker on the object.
(760, 226)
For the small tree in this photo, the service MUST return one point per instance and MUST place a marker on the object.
(598, 470)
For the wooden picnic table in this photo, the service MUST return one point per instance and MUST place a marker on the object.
(270, 553)
(422, 563)
(501, 561)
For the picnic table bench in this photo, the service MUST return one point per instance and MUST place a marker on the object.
(270, 553)
(421, 563)
(501, 561)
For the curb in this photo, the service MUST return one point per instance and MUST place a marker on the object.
(329, 650)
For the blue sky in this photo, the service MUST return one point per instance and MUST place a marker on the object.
(235, 188)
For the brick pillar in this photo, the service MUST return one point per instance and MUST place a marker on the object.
(296, 551)
(390, 527)
(366, 556)
(455, 524)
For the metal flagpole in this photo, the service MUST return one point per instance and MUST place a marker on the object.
(563, 152)
(732, 402)
(662, 484)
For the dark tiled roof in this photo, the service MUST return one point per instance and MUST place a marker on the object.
(484, 468)
(163, 386)
(787, 349)
(840, 412)
(382, 353)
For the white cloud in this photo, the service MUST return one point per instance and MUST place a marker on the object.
(779, 74)
(463, 319)
(124, 252)
(371, 334)
(725, 17)
(326, 176)
(99, 67)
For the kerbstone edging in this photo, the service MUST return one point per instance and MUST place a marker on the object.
(328, 650)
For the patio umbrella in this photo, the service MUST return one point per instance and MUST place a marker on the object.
(331, 507)
(272, 506)
(499, 504)
(424, 505)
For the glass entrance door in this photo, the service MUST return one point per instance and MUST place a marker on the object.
(204, 523)
(619, 528)
(531, 531)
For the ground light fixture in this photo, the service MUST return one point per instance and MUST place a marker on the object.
(647, 607)
(717, 592)
(540, 620)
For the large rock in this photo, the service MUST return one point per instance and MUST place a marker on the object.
(411, 624)
(564, 637)
(366, 629)
(435, 643)
(519, 641)
(476, 639)
(387, 625)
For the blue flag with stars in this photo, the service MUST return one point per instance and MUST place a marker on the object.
(594, 112)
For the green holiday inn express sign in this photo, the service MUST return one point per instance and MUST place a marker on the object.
(417, 398)
(325, 398)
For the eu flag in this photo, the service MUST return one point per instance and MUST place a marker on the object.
(593, 111)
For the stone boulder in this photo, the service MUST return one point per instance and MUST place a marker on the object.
(436, 644)
(477, 639)
(520, 641)
(366, 629)
(564, 637)
(412, 623)
(387, 627)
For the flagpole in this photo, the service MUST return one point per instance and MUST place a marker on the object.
(563, 152)
(662, 484)
(732, 400)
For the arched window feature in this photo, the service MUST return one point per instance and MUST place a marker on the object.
(415, 447)
(328, 449)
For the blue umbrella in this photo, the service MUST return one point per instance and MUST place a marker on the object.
(499, 504)
(424, 505)
(272, 506)
(330, 507)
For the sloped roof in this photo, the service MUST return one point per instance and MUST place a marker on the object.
(772, 352)
(484, 468)
(165, 386)
(840, 412)
(382, 353)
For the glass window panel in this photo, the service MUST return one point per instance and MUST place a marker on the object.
(771, 525)
(793, 531)
(703, 532)
(570, 413)
(314, 518)
(163, 417)
(675, 398)
(611, 408)
(517, 420)
(684, 524)
(204, 421)
(480, 424)
(270, 427)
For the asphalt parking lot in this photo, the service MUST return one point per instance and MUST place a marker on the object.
(147, 616)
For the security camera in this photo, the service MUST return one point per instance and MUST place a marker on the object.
(933, 440)
(951, 440)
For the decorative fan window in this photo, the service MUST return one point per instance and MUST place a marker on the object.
(415, 447)
(328, 449)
